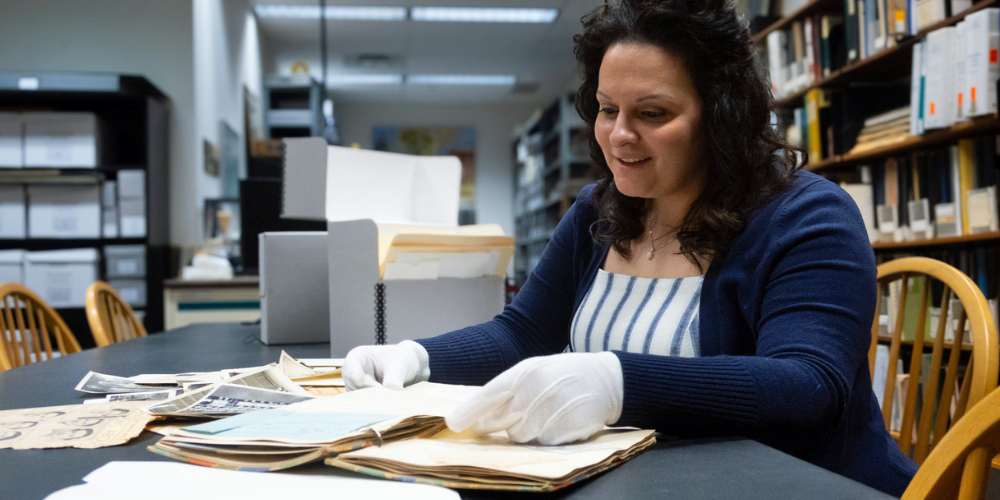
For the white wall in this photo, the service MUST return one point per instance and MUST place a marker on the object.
(226, 57)
(152, 39)
(494, 123)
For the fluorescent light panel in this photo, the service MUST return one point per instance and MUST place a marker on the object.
(461, 79)
(332, 12)
(483, 15)
(363, 79)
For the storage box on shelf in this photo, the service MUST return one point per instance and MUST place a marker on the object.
(552, 164)
(89, 173)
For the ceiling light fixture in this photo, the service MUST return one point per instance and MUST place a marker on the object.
(483, 15)
(364, 79)
(279, 11)
(461, 79)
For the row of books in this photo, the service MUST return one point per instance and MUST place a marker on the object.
(939, 193)
(955, 71)
(807, 52)
(811, 48)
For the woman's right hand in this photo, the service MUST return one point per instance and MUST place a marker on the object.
(392, 366)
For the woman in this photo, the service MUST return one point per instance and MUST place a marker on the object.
(705, 286)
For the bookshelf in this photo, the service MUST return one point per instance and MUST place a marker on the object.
(551, 164)
(134, 115)
(891, 67)
(886, 63)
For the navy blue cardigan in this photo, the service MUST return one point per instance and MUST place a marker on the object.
(785, 327)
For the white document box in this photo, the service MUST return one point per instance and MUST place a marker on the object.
(125, 261)
(365, 187)
(13, 212)
(294, 287)
(63, 140)
(12, 266)
(11, 141)
(132, 291)
(64, 211)
(61, 277)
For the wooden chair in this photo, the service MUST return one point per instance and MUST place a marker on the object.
(959, 466)
(111, 319)
(29, 328)
(980, 371)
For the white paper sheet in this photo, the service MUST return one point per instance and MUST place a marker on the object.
(170, 481)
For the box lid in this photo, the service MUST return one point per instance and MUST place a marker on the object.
(73, 256)
(11, 256)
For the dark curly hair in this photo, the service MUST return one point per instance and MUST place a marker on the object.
(746, 161)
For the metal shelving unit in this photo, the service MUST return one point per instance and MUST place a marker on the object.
(551, 166)
(136, 115)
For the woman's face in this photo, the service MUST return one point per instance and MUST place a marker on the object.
(648, 123)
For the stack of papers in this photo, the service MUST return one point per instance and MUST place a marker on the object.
(397, 435)
(308, 431)
(494, 462)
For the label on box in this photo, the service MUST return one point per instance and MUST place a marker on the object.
(127, 267)
(133, 226)
(60, 294)
(64, 224)
(58, 155)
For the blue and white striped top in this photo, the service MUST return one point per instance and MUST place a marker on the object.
(640, 315)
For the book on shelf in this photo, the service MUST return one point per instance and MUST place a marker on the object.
(943, 192)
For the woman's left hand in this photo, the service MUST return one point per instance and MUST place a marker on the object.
(555, 399)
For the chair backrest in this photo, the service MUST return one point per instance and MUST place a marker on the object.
(111, 319)
(30, 329)
(959, 466)
(980, 375)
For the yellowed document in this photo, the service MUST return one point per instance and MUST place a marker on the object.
(72, 426)
(464, 460)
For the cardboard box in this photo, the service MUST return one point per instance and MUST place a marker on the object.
(360, 302)
(131, 291)
(11, 141)
(63, 140)
(64, 211)
(294, 287)
(13, 212)
(125, 261)
(131, 184)
(61, 277)
(12, 266)
(109, 222)
(370, 187)
(132, 218)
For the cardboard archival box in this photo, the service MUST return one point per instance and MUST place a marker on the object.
(12, 266)
(64, 211)
(63, 140)
(367, 199)
(13, 209)
(61, 277)
(294, 287)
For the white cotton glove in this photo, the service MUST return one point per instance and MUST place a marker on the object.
(554, 399)
(392, 366)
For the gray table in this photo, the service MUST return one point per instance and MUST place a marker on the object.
(688, 469)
